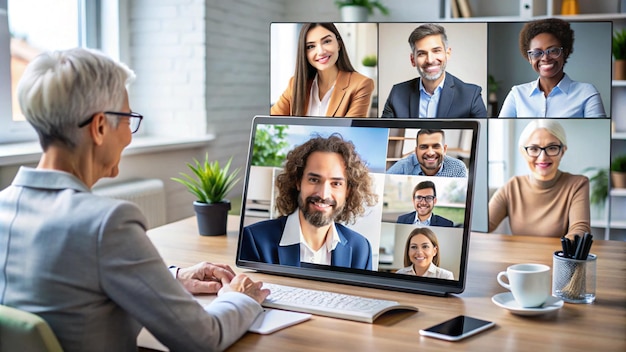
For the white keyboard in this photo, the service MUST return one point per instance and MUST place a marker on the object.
(330, 304)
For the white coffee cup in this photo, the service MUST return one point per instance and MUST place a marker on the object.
(529, 283)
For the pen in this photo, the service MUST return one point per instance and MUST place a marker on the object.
(564, 246)
(570, 247)
(588, 240)
(579, 247)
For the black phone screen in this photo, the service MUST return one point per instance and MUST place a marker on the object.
(458, 326)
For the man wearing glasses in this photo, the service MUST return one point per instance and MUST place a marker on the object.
(435, 93)
(547, 44)
(424, 200)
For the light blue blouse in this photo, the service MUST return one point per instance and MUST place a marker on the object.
(568, 99)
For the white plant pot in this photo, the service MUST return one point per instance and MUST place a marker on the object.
(370, 71)
(354, 14)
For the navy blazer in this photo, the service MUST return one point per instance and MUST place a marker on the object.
(458, 99)
(260, 243)
(435, 220)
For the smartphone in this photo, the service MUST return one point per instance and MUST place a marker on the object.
(457, 328)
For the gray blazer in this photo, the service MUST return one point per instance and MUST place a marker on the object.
(85, 265)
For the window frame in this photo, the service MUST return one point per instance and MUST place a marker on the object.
(89, 23)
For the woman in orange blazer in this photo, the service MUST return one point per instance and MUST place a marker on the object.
(324, 83)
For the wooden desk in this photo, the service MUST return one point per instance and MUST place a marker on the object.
(600, 326)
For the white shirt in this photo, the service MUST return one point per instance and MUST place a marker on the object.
(568, 99)
(433, 271)
(292, 234)
(318, 107)
(426, 222)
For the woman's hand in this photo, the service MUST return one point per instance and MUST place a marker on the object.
(205, 277)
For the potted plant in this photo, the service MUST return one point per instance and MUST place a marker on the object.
(598, 185)
(492, 97)
(370, 62)
(358, 10)
(210, 184)
(618, 171)
(619, 54)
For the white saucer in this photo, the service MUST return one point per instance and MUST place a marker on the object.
(506, 301)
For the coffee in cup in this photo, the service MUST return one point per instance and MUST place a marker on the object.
(529, 283)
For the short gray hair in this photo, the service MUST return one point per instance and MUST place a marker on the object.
(61, 89)
(426, 30)
(549, 125)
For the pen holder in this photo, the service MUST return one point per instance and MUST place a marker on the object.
(574, 280)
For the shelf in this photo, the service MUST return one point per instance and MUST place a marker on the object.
(618, 135)
(599, 223)
(517, 18)
(618, 83)
(618, 224)
(615, 224)
(618, 192)
(589, 17)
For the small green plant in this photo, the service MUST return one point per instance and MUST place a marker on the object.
(492, 84)
(370, 61)
(619, 163)
(269, 146)
(599, 185)
(619, 44)
(211, 182)
(369, 4)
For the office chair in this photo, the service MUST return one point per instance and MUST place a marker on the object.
(26, 332)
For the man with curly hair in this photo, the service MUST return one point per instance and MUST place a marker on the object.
(547, 44)
(323, 182)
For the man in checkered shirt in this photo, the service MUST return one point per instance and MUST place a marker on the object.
(430, 158)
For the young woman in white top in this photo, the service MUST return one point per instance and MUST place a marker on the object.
(421, 255)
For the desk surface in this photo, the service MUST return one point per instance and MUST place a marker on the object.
(600, 326)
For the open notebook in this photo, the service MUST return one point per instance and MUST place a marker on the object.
(380, 143)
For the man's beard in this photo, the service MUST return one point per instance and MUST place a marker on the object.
(420, 209)
(318, 218)
(434, 77)
(437, 164)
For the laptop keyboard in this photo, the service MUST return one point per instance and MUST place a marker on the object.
(331, 304)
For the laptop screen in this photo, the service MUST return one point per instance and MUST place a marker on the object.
(373, 202)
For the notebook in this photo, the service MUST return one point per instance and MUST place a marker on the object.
(371, 250)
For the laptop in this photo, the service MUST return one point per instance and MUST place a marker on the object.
(266, 230)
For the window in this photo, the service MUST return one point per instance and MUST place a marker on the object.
(499, 141)
(28, 27)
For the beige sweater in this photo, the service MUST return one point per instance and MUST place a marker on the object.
(543, 208)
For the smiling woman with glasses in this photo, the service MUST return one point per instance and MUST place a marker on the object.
(548, 202)
(547, 44)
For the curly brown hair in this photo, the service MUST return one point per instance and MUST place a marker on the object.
(359, 181)
(555, 26)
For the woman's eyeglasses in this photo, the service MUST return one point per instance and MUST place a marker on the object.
(552, 53)
(134, 118)
(551, 150)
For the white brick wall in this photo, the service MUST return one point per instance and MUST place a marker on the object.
(203, 66)
(167, 41)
